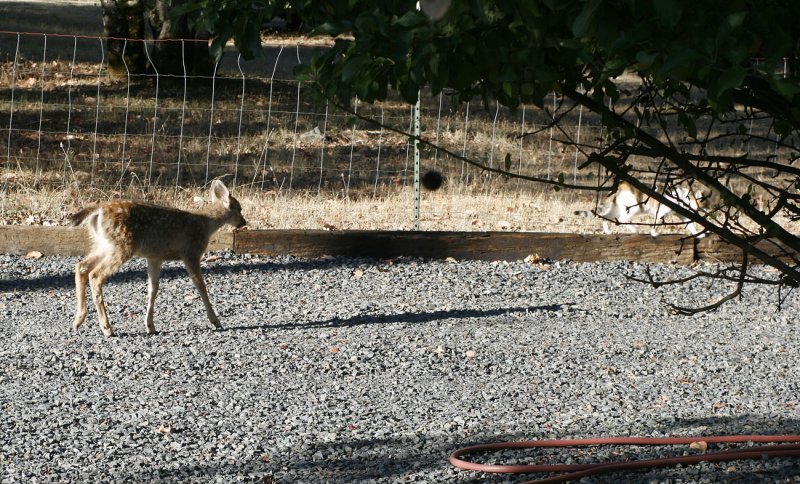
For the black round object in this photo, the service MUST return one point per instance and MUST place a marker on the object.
(432, 180)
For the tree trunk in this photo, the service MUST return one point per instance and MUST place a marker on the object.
(124, 19)
(171, 55)
(176, 50)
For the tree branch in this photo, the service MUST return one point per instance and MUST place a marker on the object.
(663, 151)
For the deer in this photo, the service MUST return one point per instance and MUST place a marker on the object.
(122, 229)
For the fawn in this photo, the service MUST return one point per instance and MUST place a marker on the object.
(122, 229)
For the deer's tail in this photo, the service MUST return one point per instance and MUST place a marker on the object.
(78, 218)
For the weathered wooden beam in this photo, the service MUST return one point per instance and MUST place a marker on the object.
(73, 241)
(22, 239)
(67, 241)
(715, 249)
(466, 245)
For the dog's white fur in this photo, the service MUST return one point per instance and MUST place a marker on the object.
(628, 201)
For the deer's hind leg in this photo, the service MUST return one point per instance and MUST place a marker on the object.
(153, 275)
(82, 270)
(97, 277)
(620, 215)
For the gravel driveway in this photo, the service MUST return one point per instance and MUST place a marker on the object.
(357, 370)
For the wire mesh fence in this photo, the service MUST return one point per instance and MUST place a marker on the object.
(251, 120)
(68, 120)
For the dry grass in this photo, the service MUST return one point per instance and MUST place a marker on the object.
(453, 209)
(439, 211)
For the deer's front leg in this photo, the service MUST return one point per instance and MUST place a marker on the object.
(193, 268)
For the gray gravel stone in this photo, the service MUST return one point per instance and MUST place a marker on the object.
(359, 370)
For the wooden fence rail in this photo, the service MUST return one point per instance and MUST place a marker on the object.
(69, 241)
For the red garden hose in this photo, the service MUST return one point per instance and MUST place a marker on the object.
(576, 471)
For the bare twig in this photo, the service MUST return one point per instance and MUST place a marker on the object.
(686, 311)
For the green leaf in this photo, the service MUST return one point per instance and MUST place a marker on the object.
(303, 72)
(508, 162)
(528, 89)
(249, 42)
(411, 19)
(185, 8)
(730, 79)
(610, 90)
(785, 87)
(508, 89)
(668, 11)
(678, 62)
(584, 20)
(332, 28)
(217, 47)
(352, 68)
(646, 59)
(782, 128)
(736, 19)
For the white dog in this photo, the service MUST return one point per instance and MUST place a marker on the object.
(628, 201)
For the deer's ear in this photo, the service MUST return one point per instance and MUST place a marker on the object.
(220, 192)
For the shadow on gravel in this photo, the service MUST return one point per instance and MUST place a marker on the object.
(393, 459)
(60, 281)
(344, 461)
(127, 274)
(402, 458)
(300, 264)
(176, 270)
(424, 317)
